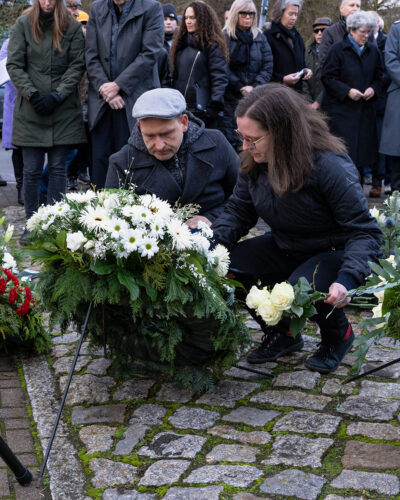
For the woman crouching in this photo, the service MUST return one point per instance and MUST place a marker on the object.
(297, 177)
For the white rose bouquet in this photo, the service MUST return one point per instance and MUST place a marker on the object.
(159, 291)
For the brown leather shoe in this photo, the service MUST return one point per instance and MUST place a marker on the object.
(375, 192)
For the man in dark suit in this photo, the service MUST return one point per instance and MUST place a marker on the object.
(172, 155)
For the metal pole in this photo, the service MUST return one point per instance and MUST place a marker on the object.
(71, 372)
(373, 370)
(22, 474)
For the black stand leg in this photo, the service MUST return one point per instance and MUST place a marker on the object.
(252, 370)
(71, 372)
(22, 474)
(377, 369)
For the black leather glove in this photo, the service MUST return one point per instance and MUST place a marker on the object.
(50, 102)
(37, 102)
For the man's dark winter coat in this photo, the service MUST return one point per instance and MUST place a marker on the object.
(333, 34)
(139, 40)
(330, 212)
(211, 170)
(313, 88)
(288, 59)
(354, 121)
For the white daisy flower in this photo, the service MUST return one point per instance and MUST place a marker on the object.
(160, 208)
(200, 243)
(95, 218)
(81, 196)
(132, 240)
(148, 248)
(220, 258)
(181, 235)
(117, 227)
(157, 229)
(139, 214)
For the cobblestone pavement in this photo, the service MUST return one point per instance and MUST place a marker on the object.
(300, 435)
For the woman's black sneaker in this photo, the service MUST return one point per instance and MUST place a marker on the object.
(274, 345)
(328, 357)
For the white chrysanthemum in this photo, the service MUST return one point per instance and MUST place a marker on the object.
(132, 240)
(181, 235)
(95, 218)
(75, 240)
(205, 229)
(148, 248)
(256, 297)
(117, 227)
(220, 256)
(59, 209)
(111, 202)
(282, 296)
(157, 229)
(200, 243)
(160, 208)
(139, 214)
(33, 222)
(81, 196)
(9, 262)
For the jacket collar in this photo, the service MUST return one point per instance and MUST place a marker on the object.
(136, 11)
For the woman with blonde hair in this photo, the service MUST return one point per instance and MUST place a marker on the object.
(46, 63)
(199, 58)
(250, 60)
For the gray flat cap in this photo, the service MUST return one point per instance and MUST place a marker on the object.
(159, 103)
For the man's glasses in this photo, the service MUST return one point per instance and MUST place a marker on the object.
(319, 30)
(251, 142)
(246, 14)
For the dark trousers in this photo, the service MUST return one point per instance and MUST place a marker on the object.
(381, 170)
(395, 182)
(260, 259)
(108, 137)
(33, 167)
(83, 158)
(18, 164)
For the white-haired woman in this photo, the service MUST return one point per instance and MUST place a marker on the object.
(250, 61)
(353, 77)
(287, 45)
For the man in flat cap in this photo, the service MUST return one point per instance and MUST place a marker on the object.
(172, 155)
(313, 88)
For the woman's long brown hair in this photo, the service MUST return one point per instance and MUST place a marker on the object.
(62, 21)
(296, 129)
(209, 30)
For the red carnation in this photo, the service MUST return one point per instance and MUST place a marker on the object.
(11, 277)
(13, 296)
(24, 309)
(3, 286)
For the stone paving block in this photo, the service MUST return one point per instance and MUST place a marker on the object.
(60, 350)
(388, 342)
(306, 422)
(20, 440)
(13, 412)
(92, 350)
(87, 389)
(63, 365)
(12, 397)
(226, 393)
(115, 494)
(359, 455)
(337, 497)
(206, 493)
(387, 484)
(7, 364)
(240, 476)
(4, 488)
(380, 389)
(341, 371)
(148, 414)
(8, 375)
(17, 423)
(108, 473)
(369, 408)
(298, 451)
(243, 374)
(67, 338)
(27, 492)
(251, 323)
(171, 445)
(385, 432)
(310, 343)
(251, 416)
(132, 436)
(98, 414)
(9, 383)
(171, 392)
(226, 432)
(99, 366)
(232, 453)
(134, 389)
(300, 378)
(97, 437)
(28, 459)
(193, 418)
(292, 398)
(388, 372)
(164, 472)
(333, 385)
(295, 358)
(294, 483)
(381, 354)
(248, 496)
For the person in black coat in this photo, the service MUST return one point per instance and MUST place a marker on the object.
(199, 58)
(287, 45)
(297, 177)
(171, 154)
(250, 61)
(353, 77)
(170, 24)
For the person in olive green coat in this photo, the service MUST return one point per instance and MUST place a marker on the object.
(46, 63)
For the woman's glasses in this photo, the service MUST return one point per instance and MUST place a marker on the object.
(251, 142)
(246, 14)
(319, 30)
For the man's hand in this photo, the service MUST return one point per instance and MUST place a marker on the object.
(370, 92)
(315, 105)
(246, 89)
(337, 296)
(109, 90)
(355, 94)
(308, 74)
(291, 79)
(117, 103)
(192, 223)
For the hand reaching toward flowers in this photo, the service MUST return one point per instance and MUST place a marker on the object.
(193, 222)
(337, 296)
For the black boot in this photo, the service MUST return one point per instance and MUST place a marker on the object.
(274, 345)
(18, 164)
(20, 196)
